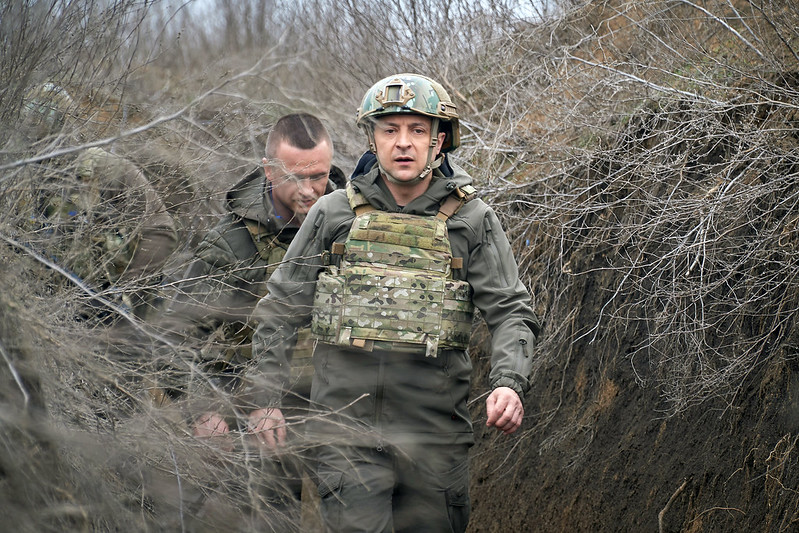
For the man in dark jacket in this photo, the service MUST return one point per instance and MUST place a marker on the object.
(210, 314)
(388, 273)
(230, 267)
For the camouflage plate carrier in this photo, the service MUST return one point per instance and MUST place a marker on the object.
(393, 287)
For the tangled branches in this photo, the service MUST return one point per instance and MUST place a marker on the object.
(688, 225)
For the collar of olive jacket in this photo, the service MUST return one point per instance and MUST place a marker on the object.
(249, 199)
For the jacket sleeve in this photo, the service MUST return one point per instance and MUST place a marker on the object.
(286, 307)
(157, 238)
(219, 288)
(504, 303)
(216, 285)
(135, 202)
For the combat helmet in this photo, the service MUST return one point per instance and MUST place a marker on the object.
(412, 94)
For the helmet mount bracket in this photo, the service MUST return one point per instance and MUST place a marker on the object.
(395, 93)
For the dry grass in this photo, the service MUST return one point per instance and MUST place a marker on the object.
(640, 152)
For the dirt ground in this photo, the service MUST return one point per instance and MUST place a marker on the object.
(597, 452)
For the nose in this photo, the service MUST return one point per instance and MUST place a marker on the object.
(305, 186)
(404, 137)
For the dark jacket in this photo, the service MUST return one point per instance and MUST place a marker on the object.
(228, 272)
(384, 396)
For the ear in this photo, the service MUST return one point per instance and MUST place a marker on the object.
(267, 168)
(441, 136)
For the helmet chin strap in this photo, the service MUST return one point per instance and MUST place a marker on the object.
(430, 164)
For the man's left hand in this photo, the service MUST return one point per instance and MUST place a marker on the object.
(269, 427)
(504, 409)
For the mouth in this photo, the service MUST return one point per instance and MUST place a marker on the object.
(306, 202)
(403, 160)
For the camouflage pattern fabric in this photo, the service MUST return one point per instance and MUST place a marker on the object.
(270, 248)
(411, 94)
(104, 247)
(393, 288)
(99, 217)
(45, 110)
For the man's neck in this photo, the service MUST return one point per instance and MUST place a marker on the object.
(405, 193)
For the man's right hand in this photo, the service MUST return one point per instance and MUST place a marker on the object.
(269, 427)
(212, 426)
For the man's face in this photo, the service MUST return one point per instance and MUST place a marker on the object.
(298, 178)
(401, 142)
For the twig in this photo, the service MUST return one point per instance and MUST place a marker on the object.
(86, 289)
(17, 377)
(727, 26)
(663, 511)
(644, 82)
(180, 489)
(131, 132)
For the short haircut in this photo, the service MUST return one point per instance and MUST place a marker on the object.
(301, 130)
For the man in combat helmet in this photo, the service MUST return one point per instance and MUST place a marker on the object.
(388, 273)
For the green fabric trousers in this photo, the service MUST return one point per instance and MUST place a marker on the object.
(414, 489)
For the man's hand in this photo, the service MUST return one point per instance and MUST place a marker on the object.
(212, 425)
(269, 427)
(505, 410)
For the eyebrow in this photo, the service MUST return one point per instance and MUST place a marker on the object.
(395, 124)
(315, 175)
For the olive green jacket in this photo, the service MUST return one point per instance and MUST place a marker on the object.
(383, 395)
(227, 275)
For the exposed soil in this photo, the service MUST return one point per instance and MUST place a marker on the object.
(603, 448)
(597, 454)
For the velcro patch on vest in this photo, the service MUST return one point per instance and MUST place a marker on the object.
(398, 239)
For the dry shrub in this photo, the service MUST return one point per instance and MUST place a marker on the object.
(640, 153)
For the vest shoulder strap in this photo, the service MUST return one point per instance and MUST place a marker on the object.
(455, 201)
(263, 240)
(256, 229)
(449, 207)
(358, 201)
